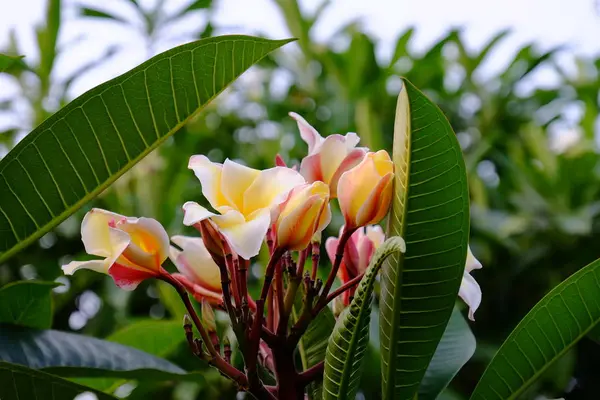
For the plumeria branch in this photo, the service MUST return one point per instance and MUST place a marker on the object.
(346, 286)
(214, 356)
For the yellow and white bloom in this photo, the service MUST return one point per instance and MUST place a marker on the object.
(328, 158)
(365, 191)
(244, 198)
(199, 273)
(133, 248)
(469, 290)
(305, 212)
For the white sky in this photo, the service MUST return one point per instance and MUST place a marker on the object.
(575, 23)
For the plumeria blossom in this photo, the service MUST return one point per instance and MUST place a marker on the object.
(328, 158)
(470, 291)
(133, 248)
(365, 191)
(244, 198)
(357, 254)
(198, 271)
(304, 212)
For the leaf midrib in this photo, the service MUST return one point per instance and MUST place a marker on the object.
(393, 343)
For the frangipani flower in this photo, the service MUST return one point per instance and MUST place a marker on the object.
(133, 248)
(357, 254)
(328, 158)
(365, 191)
(244, 198)
(199, 273)
(304, 213)
(469, 290)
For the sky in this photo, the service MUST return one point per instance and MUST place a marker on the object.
(574, 23)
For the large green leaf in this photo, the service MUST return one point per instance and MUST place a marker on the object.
(313, 344)
(77, 355)
(348, 342)
(454, 350)
(430, 210)
(547, 332)
(27, 303)
(18, 383)
(80, 150)
(159, 338)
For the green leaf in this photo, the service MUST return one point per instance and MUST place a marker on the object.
(455, 349)
(95, 13)
(27, 303)
(402, 46)
(159, 338)
(7, 62)
(313, 344)
(83, 148)
(69, 354)
(430, 210)
(547, 332)
(19, 383)
(348, 342)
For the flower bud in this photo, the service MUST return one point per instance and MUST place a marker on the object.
(328, 158)
(357, 254)
(365, 191)
(208, 317)
(198, 271)
(304, 213)
(213, 240)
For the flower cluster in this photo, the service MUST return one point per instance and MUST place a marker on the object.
(284, 208)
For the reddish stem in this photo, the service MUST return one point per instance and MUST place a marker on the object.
(339, 255)
(315, 254)
(311, 373)
(351, 283)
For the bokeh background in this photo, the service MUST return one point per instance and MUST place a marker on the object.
(519, 82)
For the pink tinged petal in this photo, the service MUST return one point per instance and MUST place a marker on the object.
(128, 278)
(209, 174)
(196, 262)
(307, 133)
(235, 180)
(351, 139)
(377, 204)
(95, 265)
(310, 168)
(375, 234)
(331, 245)
(270, 188)
(366, 248)
(353, 158)
(470, 292)
(332, 153)
(245, 238)
(194, 213)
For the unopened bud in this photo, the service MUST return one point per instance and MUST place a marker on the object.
(316, 238)
(338, 306)
(187, 322)
(208, 317)
(212, 240)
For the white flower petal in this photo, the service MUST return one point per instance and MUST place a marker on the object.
(308, 133)
(235, 180)
(194, 213)
(470, 292)
(472, 263)
(247, 237)
(95, 231)
(270, 188)
(209, 174)
(95, 265)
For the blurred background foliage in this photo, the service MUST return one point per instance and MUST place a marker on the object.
(531, 153)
